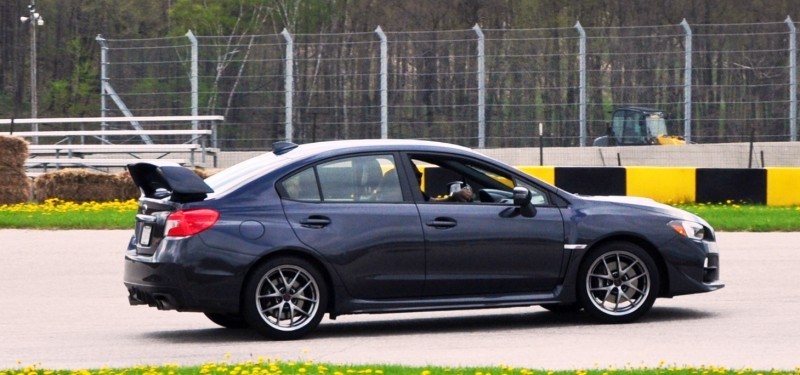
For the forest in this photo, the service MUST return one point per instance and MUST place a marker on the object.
(635, 57)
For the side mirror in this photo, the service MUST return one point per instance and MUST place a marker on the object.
(522, 199)
(522, 196)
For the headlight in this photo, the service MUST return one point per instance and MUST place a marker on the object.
(689, 229)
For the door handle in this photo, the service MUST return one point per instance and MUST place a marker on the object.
(442, 223)
(315, 221)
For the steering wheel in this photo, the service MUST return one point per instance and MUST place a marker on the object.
(484, 196)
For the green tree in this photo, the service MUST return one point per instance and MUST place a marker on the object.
(75, 96)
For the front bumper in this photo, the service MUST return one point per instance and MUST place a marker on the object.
(692, 267)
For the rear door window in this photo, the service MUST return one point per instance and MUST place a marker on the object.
(302, 186)
(367, 178)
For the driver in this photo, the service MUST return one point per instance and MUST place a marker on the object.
(462, 195)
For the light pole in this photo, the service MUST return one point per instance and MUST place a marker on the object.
(35, 19)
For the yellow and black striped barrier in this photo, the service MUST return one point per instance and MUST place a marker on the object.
(770, 186)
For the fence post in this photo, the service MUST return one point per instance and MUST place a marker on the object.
(481, 87)
(582, 88)
(103, 79)
(289, 82)
(792, 79)
(687, 84)
(106, 90)
(194, 85)
(384, 83)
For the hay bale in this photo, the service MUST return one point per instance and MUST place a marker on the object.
(10, 194)
(14, 186)
(13, 151)
(204, 173)
(8, 174)
(80, 185)
(127, 189)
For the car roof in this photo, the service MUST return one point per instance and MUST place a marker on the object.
(369, 145)
(289, 155)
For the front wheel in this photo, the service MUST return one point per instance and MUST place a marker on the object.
(285, 298)
(619, 283)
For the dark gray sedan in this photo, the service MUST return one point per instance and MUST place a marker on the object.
(377, 226)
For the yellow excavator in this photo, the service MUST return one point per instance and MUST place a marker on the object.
(634, 126)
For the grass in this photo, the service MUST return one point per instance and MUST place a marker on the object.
(732, 217)
(263, 366)
(58, 214)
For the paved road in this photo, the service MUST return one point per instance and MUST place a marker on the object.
(62, 305)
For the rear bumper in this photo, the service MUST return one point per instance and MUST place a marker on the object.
(176, 278)
(153, 284)
(161, 298)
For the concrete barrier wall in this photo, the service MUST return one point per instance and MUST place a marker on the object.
(723, 155)
(783, 186)
(770, 186)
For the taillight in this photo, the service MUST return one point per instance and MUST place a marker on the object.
(188, 222)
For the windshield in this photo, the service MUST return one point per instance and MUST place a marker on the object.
(656, 125)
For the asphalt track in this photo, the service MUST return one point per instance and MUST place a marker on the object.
(63, 306)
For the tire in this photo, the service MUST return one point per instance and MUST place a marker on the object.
(611, 296)
(285, 298)
(231, 321)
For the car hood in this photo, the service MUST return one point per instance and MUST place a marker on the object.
(647, 204)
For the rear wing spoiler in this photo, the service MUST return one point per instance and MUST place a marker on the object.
(160, 180)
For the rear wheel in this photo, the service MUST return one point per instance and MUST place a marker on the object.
(285, 298)
(619, 283)
(232, 321)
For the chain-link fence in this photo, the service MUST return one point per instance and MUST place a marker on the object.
(479, 88)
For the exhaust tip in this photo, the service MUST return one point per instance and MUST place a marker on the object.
(163, 302)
